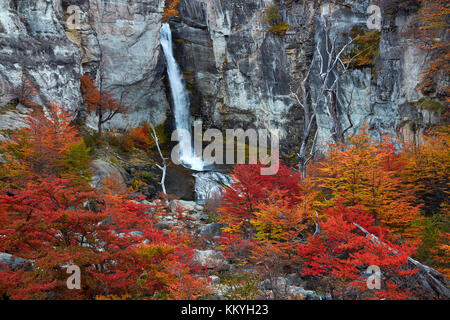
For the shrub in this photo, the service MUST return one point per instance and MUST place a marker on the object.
(280, 29)
(365, 48)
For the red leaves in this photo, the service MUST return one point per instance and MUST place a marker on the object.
(366, 173)
(115, 245)
(100, 101)
(341, 253)
(249, 188)
(41, 149)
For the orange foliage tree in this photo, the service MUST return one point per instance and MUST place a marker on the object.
(171, 9)
(49, 146)
(366, 173)
(427, 164)
(27, 92)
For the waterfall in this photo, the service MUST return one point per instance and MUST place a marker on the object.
(180, 101)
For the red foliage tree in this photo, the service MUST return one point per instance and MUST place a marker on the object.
(248, 189)
(340, 253)
(102, 102)
(367, 173)
(112, 240)
(49, 146)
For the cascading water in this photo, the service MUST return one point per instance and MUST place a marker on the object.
(207, 184)
(180, 101)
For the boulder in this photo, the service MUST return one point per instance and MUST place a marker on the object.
(211, 259)
(103, 169)
(211, 230)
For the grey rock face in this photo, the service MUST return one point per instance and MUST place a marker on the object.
(120, 45)
(211, 230)
(381, 96)
(54, 42)
(33, 44)
(239, 74)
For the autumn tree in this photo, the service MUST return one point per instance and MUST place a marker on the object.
(49, 146)
(338, 256)
(102, 102)
(366, 173)
(248, 189)
(432, 33)
(112, 239)
(279, 229)
(27, 91)
(427, 163)
(171, 9)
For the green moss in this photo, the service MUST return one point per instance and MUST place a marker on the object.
(8, 108)
(430, 105)
(146, 175)
(280, 29)
(180, 41)
(190, 86)
(274, 19)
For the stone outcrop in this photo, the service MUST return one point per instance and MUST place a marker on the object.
(52, 43)
(102, 169)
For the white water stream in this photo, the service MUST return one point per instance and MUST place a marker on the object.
(181, 103)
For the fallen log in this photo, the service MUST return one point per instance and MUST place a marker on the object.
(433, 283)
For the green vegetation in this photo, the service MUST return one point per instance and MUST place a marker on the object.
(280, 29)
(430, 105)
(272, 15)
(365, 49)
(241, 286)
(274, 19)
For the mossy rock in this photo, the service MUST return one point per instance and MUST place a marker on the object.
(430, 105)
(272, 15)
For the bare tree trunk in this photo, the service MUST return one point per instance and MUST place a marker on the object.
(331, 68)
(162, 167)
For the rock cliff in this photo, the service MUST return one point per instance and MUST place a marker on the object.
(240, 73)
